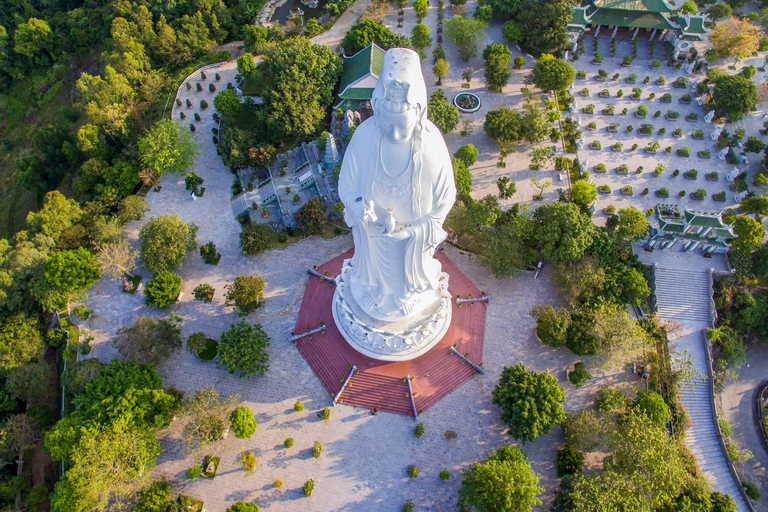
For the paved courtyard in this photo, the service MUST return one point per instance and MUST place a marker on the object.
(363, 466)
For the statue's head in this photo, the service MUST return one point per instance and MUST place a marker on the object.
(399, 100)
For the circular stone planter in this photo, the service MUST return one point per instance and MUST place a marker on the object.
(466, 102)
(210, 351)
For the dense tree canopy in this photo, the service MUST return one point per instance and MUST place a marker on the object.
(735, 95)
(149, 340)
(562, 232)
(496, 57)
(445, 115)
(543, 24)
(243, 349)
(164, 242)
(735, 38)
(505, 482)
(301, 76)
(167, 147)
(531, 402)
(367, 31)
(553, 74)
(465, 33)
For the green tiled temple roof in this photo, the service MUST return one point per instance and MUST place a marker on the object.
(645, 6)
(354, 93)
(366, 61)
(626, 18)
(704, 219)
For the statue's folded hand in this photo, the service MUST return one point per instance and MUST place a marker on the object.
(401, 234)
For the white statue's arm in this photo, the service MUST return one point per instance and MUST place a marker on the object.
(444, 195)
(355, 207)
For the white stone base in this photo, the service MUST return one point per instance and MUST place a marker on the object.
(402, 340)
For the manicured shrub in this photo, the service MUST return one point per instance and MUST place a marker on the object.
(413, 471)
(317, 450)
(419, 431)
(211, 87)
(278, 483)
(579, 375)
(298, 406)
(326, 414)
(203, 104)
(611, 399)
(445, 475)
(309, 486)
(243, 423)
(288, 443)
(163, 289)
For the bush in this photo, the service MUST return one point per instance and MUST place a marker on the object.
(579, 375)
(419, 431)
(249, 461)
(317, 450)
(570, 461)
(450, 434)
(192, 128)
(611, 399)
(445, 475)
(700, 193)
(163, 289)
(610, 209)
(653, 406)
(298, 406)
(325, 414)
(663, 192)
(309, 486)
(203, 292)
(243, 423)
(551, 324)
(408, 507)
(211, 87)
(642, 110)
(684, 151)
(203, 103)
(199, 87)
(278, 483)
(751, 489)
(288, 443)
(194, 472)
(197, 117)
(311, 216)
(413, 471)
(627, 60)
(256, 238)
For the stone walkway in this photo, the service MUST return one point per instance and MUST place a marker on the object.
(738, 406)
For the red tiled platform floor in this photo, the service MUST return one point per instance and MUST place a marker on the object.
(380, 384)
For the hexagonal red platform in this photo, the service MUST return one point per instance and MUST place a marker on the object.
(381, 384)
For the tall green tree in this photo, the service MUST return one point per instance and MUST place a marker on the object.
(302, 76)
(106, 464)
(246, 293)
(444, 114)
(465, 33)
(544, 24)
(583, 192)
(243, 350)
(33, 38)
(531, 402)
(164, 242)
(420, 37)
(505, 126)
(167, 147)
(20, 341)
(497, 71)
(632, 225)
(749, 233)
(505, 482)
(562, 232)
(245, 64)
(553, 74)
(65, 276)
(735, 95)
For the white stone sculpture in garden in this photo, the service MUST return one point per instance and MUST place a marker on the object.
(396, 182)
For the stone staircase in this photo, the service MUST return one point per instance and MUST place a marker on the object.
(682, 295)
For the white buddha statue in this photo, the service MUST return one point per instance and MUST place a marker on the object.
(397, 186)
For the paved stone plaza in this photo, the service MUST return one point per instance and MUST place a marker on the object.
(365, 457)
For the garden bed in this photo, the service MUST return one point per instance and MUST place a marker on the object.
(467, 102)
(208, 460)
(134, 281)
(210, 351)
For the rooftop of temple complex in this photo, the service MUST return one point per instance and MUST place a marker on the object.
(359, 77)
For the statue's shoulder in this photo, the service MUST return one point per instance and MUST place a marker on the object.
(365, 130)
(434, 146)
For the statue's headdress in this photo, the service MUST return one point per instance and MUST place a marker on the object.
(401, 84)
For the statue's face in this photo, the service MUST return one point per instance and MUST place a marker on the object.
(398, 127)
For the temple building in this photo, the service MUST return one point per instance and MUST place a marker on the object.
(358, 78)
(655, 16)
(690, 228)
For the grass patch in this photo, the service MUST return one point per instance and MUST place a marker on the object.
(247, 118)
(215, 461)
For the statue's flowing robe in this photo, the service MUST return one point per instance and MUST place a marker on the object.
(432, 193)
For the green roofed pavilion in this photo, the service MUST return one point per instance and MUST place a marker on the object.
(359, 77)
(657, 15)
